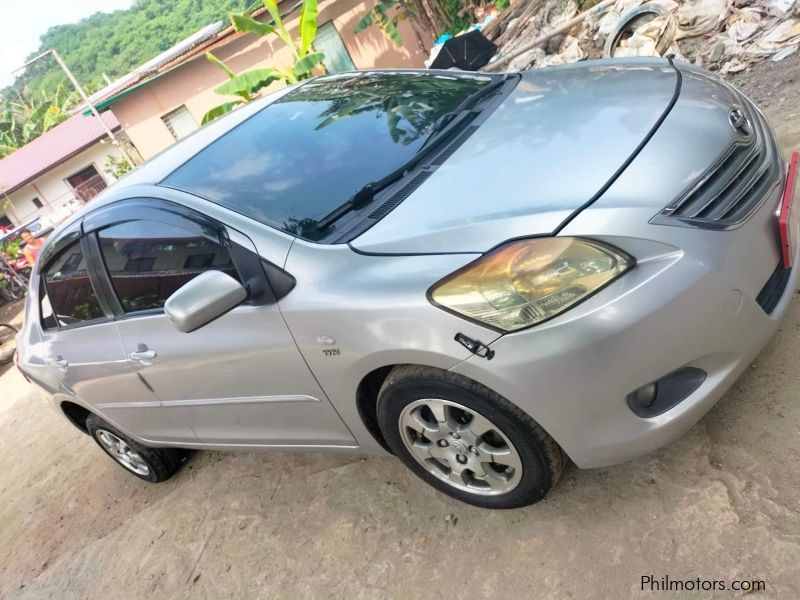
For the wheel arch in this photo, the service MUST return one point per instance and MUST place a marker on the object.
(370, 386)
(76, 414)
(367, 401)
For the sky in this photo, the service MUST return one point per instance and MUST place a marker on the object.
(24, 21)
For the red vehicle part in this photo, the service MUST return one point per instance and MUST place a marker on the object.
(787, 218)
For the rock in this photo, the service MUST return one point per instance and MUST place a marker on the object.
(524, 61)
(716, 52)
(554, 44)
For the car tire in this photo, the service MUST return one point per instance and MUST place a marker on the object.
(465, 440)
(151, 464)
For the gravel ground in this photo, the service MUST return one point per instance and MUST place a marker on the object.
(721, 503)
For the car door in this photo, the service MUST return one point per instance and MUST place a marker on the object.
(239, 380)
(80, 353)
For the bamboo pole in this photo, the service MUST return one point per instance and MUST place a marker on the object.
(493, 29)
(503, 61)
(84, 97)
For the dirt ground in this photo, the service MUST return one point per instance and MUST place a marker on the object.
(774, 87)
(722, 503)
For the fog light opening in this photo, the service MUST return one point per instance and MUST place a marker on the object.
(645, 396)
(659, 396)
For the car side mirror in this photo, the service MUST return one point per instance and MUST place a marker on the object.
(203, 299)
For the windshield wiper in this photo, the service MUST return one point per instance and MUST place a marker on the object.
(470, 101)
(445, 126)
(366, 194)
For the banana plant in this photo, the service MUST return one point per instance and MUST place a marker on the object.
(245, 86)
(28, 116)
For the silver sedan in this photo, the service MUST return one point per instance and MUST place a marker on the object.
(485, 275)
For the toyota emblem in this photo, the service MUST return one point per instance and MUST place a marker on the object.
(739, 122)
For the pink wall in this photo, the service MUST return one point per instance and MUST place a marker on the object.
(192, 83)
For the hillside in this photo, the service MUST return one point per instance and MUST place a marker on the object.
(114, 43)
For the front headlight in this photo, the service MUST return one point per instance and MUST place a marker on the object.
(525, 282)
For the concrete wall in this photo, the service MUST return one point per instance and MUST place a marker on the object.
(192, 83)
(58, 199)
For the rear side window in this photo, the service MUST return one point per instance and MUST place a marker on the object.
(69, 293)
(148, 261)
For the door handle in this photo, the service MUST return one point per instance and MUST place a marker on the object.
(144, 357)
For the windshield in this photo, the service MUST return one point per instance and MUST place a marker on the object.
(301, 157)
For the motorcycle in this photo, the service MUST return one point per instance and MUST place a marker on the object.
(12, 284)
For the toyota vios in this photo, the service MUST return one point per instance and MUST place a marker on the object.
(484, 275)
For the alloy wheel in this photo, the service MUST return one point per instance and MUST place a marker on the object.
(121, 452)
(460, 446)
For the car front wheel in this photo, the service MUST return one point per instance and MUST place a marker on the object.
(151, 464)
(466, 440)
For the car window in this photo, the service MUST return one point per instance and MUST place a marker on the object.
(148, 261)
(301, 157)
(69, 293)
(48, 317)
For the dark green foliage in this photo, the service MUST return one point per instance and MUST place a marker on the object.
(115, 43)
(457, 18)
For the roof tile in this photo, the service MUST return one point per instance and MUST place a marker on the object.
(54, 147)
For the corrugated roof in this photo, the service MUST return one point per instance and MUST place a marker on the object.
(202, 45)
(54, 147)
(154, 64)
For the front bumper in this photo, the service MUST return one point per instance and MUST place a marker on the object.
(690, 301)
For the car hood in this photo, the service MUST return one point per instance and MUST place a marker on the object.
(556, 140)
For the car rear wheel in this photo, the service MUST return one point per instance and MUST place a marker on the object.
(151, 464)
(466, 440)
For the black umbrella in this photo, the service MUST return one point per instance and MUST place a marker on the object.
(469, 52)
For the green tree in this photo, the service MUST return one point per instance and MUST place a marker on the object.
(115, 43)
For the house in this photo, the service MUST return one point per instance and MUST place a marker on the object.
(165, 99)
(54, 175)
